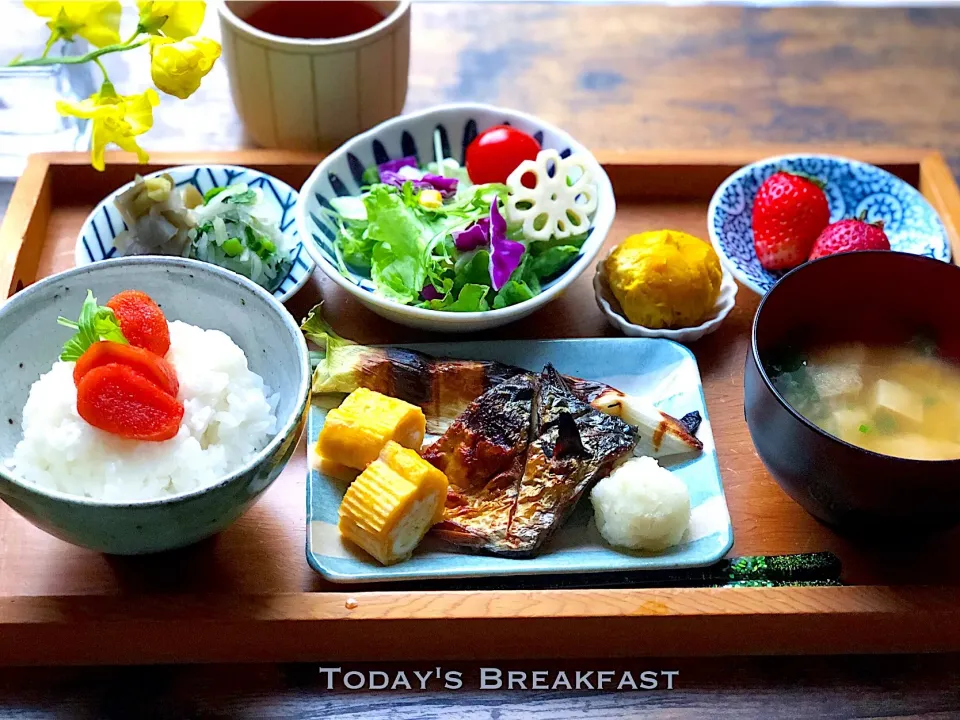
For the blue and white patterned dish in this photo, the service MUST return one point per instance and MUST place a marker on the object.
(95, 242)
(340, 174)
(659, 369)
(852, 187)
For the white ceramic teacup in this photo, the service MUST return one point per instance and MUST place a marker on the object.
(314, 94)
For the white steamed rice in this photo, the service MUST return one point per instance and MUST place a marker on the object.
(229, 415)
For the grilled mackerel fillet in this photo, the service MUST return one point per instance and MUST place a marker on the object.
(518, 460)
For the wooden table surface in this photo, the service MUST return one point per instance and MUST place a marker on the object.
(616, 77)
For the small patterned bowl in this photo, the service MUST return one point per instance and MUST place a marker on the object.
(614, 313)
(340, 174)
(852, 188)
(95, 242)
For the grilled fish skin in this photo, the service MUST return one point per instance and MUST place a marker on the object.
(482, 455)
(575, 446)
(444, 388)
(519, 459)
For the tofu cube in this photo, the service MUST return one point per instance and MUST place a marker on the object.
(846, 423)
(899, 401)
(837, 381)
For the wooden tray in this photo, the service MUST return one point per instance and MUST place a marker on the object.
(248, 595)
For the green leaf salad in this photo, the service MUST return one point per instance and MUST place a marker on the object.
(431, 238)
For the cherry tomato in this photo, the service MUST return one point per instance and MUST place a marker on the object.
(495, 153)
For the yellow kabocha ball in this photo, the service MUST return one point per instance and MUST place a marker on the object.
(664, 278)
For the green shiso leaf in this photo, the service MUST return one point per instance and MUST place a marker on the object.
(475, 270)
(511, 293)
(472, 299)
(96, 323)
(554, 260)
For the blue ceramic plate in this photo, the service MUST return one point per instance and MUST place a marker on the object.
(852, 188)
(341, 172)
(660, 369)
(95, 241)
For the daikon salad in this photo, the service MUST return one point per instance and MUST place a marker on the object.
(237, 231)
(227, 226)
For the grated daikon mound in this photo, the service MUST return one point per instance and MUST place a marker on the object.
(641, 506)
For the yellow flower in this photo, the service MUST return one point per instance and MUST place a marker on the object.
(178, 20)
(117, 119)
(97, 22)
(177, 67)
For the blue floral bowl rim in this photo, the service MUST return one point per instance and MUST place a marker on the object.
(735, 177)
(25, 296)
(601, 226)
(308, 258)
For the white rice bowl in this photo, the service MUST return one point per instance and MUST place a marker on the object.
(229, 416)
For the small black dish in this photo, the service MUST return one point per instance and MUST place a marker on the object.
(870, 296)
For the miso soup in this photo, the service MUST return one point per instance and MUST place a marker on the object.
(900, 401)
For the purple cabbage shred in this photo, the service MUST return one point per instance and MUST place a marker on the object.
(447, 187)
(475, 236)
(505, 254)
(429, 292)
(394, 166)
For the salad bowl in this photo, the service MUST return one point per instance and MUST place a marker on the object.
(194, 292)
(451, 128)
(96, 239)
(852, 188)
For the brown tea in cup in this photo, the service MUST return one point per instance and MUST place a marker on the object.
(314, 19)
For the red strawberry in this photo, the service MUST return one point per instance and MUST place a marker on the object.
(789, 213)
(848, 236)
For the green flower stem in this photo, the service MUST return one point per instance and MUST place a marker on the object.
(106, 78)
(79, 59)
(54, 36)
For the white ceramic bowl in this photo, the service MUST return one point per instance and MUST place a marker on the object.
(313, 94)
(104, 223)
(614, 313)
(189, 290)
(340, 172)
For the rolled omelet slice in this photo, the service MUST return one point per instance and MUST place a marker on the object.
(392, 504)
(356, 432)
